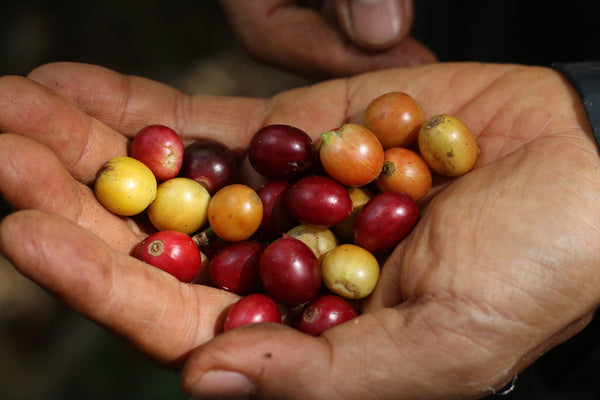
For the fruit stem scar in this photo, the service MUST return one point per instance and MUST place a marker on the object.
(434, 121)
(388, 169)
(156, 248)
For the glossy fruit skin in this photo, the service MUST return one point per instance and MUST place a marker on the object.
(173, 252)
(319, 201)
(350, 271)
(277, 218)
(395, 118)
(360, 196)
(211, 163)
(235, 268)
(323, 313)
(384, 221)
(125, 186)
(448, 145)
(181, 204)
(352, 155)
(290, 272)
(251, 309)
(160, 148)
(235, 212)
(282, 152)
(404, 171)
(320, 240)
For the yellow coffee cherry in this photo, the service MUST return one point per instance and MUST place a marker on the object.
(181, 205)
(350, 271)
(125, 186)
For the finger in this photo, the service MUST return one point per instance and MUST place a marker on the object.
(302, 40)
(82, 143)
(147, 307)
(487, 97)
(32, 177)
(402, 358)
(375, 25)
(128, 103)
(101, 93)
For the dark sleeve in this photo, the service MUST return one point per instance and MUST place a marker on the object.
(585, 78)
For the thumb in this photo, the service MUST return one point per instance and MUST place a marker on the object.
(151, 310)
(375, 24)
(387, 354)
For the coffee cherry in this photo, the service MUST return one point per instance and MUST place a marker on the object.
(447, 145)
(172, 251)
(281, 152)
(125, 186)
(290, 272)
(181, 204)
(350, 271)
(384, 221)
(323, 313)
(252, 309)
(319, 201)
(395, 118)
(235, 212)
(209, 163)
(352, 155)
(235, 268)
(405, 171)
(160, 148)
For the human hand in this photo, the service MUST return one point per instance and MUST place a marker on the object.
(332, 38)
(501, 267)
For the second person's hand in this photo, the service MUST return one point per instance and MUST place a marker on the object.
(330, 38)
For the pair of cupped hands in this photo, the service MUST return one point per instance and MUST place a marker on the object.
(503, 265)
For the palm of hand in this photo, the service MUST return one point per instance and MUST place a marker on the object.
(501, 262)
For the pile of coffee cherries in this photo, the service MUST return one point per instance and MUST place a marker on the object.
(305, 247)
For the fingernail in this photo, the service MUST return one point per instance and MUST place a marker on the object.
(218, 384)
(375, 22)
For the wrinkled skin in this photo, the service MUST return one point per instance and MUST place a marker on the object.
(503, 265)
(327, 38)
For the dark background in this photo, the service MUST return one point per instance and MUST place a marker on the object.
(184, 43)
(49, 352)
